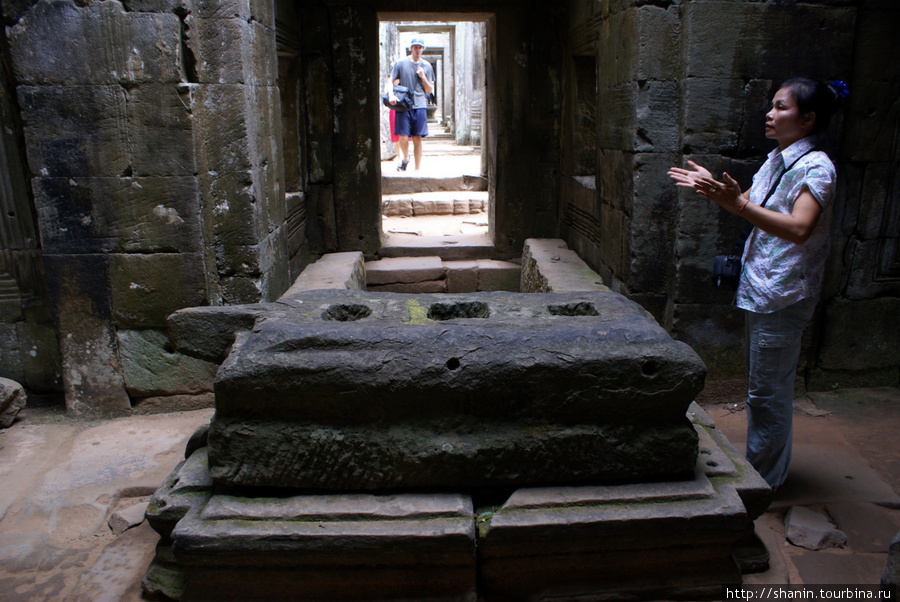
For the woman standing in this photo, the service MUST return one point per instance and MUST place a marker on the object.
(783, 259)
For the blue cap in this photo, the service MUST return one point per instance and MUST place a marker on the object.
(417, 42)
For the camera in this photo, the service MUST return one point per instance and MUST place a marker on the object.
(726, 271)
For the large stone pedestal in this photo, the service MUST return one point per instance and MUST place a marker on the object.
(347, 390)
(490, 446)
(664, 540)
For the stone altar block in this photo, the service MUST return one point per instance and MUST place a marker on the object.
(488, 446)
(346, 390)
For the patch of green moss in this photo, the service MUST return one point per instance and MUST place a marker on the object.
(417, 313)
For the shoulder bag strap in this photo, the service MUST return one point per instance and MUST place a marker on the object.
(747, 227)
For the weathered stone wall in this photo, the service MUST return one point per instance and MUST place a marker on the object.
(691, 80)
(468, 60)
(155, 140)
(152, 132)
(859, 344)
(523, 120)
(28, 349)
(342, 88)
(638, 127)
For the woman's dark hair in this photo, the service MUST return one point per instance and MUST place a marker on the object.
(817, 97)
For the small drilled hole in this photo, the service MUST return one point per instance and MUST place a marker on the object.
(649, 368)
(453, 363)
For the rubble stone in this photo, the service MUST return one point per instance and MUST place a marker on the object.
(12, 400)
(811, 530)
(129, 517)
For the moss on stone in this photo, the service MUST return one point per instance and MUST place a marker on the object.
(417, 313)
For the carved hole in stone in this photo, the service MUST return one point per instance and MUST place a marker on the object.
(649, 368)
(346, 313)
(573, 309)
(453, 363)
(464, 309)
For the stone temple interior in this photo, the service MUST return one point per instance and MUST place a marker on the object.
(163, 154)
(192, 200)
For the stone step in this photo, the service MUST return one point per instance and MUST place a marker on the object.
(433, 275)
(448, 247)
(410, 182)
(455, 202)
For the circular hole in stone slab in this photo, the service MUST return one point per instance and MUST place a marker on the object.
(453, 363)
(649, 368)
(346, 312)
(462, 309)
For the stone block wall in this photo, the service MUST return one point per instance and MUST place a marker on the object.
(638, 129)
(153, 141)
(28, 349)
(858, 342)
(692, 80)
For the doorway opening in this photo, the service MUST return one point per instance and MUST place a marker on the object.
(448, 195)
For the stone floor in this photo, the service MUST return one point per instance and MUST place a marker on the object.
(64, 478)
(846, 465)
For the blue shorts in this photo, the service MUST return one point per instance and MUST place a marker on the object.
(411, 123)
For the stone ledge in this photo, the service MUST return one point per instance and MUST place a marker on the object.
(482, 275)
(549, 266)
(433, 275)
(393, 183)
(331, 271)
(664, 540)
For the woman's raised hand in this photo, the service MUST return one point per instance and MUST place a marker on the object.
(688, 178)
(727, 193)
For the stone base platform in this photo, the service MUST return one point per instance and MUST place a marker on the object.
(666, 540)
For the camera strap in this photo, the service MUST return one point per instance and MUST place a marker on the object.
(747, 227)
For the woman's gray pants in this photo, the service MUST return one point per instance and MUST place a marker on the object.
(773, 349)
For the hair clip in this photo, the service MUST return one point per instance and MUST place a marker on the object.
(840, 88)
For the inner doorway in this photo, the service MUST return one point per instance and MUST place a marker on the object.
(448, 196)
